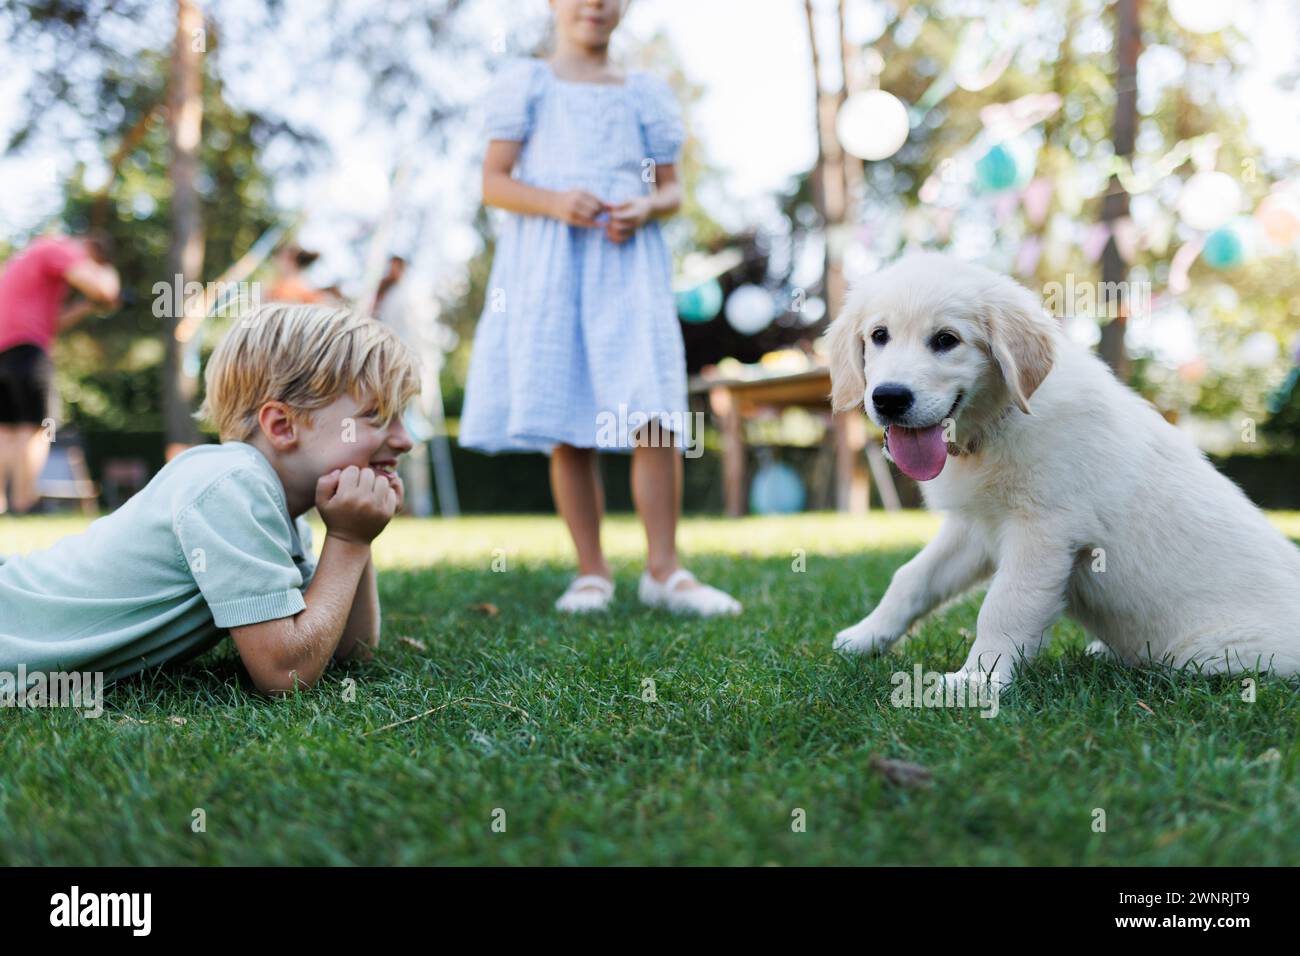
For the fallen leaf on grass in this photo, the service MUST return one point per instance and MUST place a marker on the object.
(1167, 838)
(413, 642)
(178, 721)
(128, 719)
(489, 609)
(1143, 705)
(900, 772)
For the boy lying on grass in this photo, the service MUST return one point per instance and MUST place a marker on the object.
(307, 403)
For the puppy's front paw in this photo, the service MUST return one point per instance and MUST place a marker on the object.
(1100, 649)
(862, 638)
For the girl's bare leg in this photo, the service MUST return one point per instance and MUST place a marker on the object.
(657, 492)
(580, 499)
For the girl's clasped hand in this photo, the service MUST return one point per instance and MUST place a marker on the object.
(578, 207)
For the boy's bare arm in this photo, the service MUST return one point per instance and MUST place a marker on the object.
(294, 651)
(361, 633)
(290, 652)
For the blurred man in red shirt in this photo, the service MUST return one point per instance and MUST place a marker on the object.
(33, 288)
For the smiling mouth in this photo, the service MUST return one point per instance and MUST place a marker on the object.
(920, 453)
(950, 413)
(386, 467)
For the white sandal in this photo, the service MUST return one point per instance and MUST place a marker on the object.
(703, 600)
(585, 594)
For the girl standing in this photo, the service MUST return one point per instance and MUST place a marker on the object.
(579, 339)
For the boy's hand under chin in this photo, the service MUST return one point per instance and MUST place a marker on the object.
(356, 504)
(395, 482)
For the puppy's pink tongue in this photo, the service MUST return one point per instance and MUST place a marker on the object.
(919, 452)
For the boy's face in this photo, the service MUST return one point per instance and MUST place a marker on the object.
(346, 433)
(340, 434)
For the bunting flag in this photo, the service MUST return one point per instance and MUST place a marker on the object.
(1182, 263)
(1037, 198)
(1128, 238)
(1094, 241)
(1031, 250)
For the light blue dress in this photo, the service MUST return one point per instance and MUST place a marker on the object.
(579, 340)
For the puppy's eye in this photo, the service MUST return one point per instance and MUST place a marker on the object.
(944, 341)
(879, 336)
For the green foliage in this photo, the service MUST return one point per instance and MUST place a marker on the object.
(1070, 51)
(110, 369)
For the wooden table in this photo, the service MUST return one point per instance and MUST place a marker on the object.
(735, 400)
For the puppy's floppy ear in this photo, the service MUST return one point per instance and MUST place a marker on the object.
(1022, 338)
(848, 381)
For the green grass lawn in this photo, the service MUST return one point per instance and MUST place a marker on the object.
(542, 717)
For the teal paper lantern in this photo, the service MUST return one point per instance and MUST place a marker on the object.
(777, 489)
(1224, 248)
(997, 169)
(700, 304)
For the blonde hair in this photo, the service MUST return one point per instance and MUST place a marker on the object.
(305, 356)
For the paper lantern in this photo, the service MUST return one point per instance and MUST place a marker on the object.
(997, 169)
(700, 304)
(750, 309)
(872, 125)
(1259, 350)
(814, 309)
(1208, 200)
(1278, 216)
(1201, 16)
(1224, 248)
(1193, 371)
(776, 489)
(1279, 399)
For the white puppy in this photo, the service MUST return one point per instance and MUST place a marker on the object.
(1069, 489)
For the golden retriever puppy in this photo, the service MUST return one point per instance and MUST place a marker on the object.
(1066, 488)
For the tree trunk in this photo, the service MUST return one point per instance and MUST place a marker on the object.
(185, 257)
(832, 176)
(1114, 299)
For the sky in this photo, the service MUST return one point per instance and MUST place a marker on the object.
(754, 122)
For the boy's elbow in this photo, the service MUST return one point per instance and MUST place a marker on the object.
(273, 682)
(272, 655)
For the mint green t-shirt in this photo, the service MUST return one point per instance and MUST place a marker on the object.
(206, 546)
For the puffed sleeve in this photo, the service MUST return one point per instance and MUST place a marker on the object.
(511, 100)
(661, 119)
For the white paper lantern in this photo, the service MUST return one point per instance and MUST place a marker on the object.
(750, 309)
(1259, 350)
(1208, 200)
(1201, 16)
(813, 310)
(872, 125)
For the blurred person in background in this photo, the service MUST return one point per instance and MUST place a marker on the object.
(34, 287)
(289, 284)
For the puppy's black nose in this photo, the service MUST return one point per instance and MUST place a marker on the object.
(892, 400)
